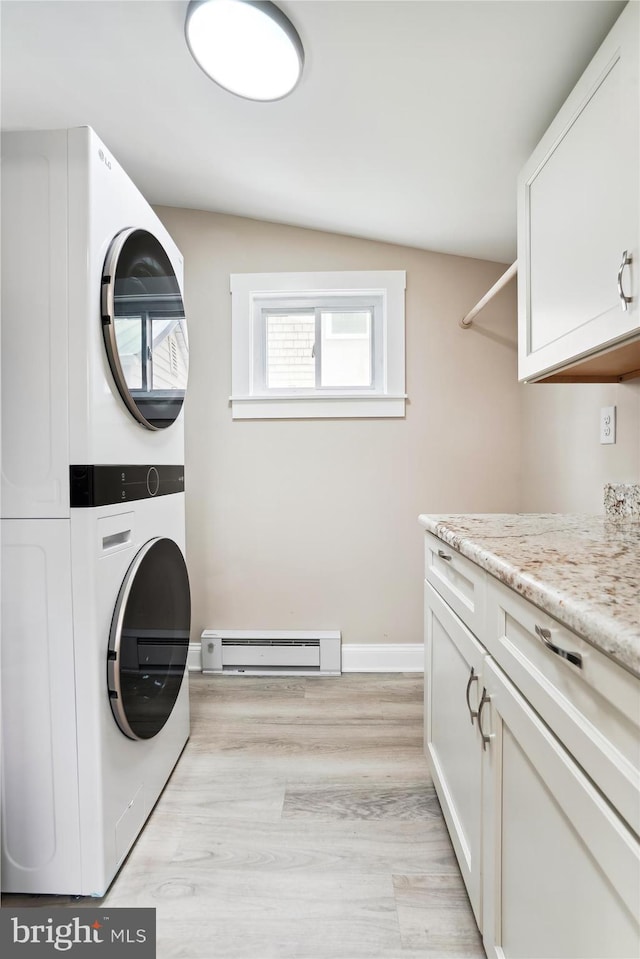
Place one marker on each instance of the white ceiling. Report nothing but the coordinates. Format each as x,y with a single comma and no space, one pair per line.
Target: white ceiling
410,124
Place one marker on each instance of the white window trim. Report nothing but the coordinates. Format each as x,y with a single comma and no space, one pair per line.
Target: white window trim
247,399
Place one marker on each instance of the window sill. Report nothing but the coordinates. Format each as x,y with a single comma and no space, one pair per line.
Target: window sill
334,406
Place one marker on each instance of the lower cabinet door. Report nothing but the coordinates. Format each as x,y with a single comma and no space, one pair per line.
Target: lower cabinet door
561,869
453,747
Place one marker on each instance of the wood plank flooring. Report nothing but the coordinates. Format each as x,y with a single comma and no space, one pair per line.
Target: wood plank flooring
300,823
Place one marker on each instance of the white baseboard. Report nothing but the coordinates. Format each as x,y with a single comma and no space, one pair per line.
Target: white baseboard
357,658
194,658
383,658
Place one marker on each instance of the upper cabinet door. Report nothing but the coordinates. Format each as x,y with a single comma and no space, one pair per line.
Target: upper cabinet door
578,217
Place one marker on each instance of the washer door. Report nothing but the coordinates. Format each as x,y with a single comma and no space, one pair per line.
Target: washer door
144,328
149,639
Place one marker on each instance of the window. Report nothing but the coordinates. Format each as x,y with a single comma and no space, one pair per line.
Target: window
317,344
316,348
153,352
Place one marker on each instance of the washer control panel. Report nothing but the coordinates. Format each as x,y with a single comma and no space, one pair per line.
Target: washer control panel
106,485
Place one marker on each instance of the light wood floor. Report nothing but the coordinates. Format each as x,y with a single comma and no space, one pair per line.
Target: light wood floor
300,823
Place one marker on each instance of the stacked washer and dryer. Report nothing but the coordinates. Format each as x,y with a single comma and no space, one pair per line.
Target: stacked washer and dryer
95,592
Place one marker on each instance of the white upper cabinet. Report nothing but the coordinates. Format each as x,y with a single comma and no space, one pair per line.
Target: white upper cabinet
579,224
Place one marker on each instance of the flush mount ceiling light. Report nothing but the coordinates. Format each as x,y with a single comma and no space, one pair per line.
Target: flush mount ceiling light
246,46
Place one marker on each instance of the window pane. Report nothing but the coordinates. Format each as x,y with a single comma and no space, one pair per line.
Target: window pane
169,353
129,341
290,354
348,324
346,348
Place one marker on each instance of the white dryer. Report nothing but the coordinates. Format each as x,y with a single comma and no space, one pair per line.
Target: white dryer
94,339
96,615
95,594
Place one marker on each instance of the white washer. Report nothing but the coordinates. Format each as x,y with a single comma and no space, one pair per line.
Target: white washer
77,788
87,269
71,217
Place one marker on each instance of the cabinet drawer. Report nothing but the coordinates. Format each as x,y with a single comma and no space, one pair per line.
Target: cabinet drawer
593,708
561,869
459,581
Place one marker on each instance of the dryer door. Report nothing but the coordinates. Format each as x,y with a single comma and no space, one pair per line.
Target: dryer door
149,639
144,328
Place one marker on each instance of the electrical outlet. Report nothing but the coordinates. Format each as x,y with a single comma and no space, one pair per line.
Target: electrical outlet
608,424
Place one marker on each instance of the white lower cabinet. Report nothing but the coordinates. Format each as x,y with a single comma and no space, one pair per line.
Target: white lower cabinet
561,871
551,867
454,659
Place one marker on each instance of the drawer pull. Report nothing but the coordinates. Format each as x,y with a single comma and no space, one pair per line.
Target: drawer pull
483,699
443,555
472,679
545,636
624,299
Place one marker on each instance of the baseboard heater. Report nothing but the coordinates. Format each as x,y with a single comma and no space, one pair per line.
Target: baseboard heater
271,652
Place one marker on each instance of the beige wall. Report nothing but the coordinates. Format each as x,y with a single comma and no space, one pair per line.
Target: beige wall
313,524
564,467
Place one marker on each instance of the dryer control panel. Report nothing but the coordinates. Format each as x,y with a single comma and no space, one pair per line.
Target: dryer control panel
106,485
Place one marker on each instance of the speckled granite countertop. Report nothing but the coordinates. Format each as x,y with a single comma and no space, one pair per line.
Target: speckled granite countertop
583,570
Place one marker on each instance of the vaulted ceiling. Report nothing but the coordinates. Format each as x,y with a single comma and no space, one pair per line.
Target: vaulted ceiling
410,124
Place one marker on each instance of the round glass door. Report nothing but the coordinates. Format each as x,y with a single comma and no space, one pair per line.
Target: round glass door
149,639
144,328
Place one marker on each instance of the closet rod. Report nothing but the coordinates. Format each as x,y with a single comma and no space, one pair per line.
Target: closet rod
467,320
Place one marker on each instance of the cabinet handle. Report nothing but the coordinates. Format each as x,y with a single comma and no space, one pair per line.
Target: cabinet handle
624,299
483,699
545,636
443,555
472,679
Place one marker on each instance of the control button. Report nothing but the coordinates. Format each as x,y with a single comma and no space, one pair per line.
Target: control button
153,481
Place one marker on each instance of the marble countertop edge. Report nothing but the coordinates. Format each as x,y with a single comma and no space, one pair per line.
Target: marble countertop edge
502,545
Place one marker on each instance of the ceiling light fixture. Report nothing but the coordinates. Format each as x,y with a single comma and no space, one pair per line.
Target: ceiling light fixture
248,47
